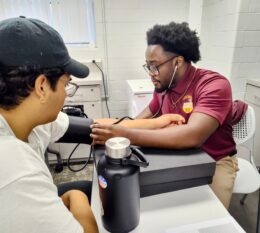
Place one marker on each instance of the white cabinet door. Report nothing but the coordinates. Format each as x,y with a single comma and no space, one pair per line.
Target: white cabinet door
252,97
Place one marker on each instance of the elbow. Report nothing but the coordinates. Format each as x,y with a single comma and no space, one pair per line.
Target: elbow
194,142
185,144
197,145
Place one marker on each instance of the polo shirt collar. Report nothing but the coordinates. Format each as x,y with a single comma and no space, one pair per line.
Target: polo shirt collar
184,80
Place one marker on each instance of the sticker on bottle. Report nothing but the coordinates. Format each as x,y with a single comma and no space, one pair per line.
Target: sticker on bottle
102,182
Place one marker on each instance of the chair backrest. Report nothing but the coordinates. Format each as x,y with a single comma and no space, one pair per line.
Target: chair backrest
244,130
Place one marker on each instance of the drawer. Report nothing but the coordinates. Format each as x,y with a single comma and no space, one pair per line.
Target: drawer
86,93
93,109
252,94
82,152
138,103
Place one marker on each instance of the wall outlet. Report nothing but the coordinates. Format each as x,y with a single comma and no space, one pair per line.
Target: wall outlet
93,68
90,63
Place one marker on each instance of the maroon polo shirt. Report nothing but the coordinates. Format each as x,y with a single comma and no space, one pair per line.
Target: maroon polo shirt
206,92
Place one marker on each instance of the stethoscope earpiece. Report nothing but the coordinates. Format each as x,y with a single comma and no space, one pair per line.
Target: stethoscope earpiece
173,75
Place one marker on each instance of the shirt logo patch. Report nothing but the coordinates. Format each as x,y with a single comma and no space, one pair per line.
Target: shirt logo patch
187,105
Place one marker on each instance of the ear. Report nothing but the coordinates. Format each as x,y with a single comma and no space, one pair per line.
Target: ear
41,87
180,61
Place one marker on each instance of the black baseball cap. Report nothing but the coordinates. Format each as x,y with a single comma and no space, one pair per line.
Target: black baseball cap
33,43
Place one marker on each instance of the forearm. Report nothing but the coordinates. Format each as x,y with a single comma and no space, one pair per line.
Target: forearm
80,208
178,137
140,124
193,134
136,123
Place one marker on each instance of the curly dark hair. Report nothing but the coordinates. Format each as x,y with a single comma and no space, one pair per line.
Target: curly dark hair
16,83
176,38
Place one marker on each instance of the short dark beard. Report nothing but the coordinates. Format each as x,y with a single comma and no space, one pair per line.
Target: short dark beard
165,88
160,90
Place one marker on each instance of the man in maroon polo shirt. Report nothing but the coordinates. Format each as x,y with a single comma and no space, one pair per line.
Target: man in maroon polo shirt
201,96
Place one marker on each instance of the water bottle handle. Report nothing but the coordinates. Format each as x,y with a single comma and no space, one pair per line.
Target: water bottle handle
140,155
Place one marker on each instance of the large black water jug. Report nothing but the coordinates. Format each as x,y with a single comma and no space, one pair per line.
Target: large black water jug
118,177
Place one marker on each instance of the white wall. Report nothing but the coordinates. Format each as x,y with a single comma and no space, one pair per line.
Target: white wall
229,31
218,34
246,59
230,37
127,22
195,15
121,41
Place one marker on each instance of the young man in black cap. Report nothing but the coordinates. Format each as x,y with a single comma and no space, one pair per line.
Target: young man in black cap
35,70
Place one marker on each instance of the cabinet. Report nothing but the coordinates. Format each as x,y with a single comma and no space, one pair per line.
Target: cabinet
140,93
252,97
88,96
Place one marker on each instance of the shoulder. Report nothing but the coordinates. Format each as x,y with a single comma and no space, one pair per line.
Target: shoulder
13,148
211,81
18,159
207,76
52,131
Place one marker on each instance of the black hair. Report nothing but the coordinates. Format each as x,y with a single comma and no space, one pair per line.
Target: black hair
16,83
176,38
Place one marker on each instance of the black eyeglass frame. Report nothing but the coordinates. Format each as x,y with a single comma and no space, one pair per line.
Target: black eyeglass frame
156,71
75,90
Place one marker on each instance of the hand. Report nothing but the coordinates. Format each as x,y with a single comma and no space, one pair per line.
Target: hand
72,195
102,132
78,204
167,120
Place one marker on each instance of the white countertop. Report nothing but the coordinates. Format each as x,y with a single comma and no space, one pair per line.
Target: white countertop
164,211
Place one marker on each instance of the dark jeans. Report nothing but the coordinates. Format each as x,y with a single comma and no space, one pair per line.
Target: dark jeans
84,185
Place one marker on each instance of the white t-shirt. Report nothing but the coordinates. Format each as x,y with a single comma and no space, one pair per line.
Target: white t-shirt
28,197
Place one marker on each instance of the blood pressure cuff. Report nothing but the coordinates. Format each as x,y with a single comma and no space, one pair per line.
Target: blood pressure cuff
78,131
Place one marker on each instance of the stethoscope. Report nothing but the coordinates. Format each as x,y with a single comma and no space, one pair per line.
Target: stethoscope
168,88
166,92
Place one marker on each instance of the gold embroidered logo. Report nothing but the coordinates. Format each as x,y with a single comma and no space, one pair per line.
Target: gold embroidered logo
187,106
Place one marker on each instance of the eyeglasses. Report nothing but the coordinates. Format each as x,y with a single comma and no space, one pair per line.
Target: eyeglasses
71,89
151,68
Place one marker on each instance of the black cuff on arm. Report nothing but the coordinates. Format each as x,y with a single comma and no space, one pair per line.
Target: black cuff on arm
79,131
